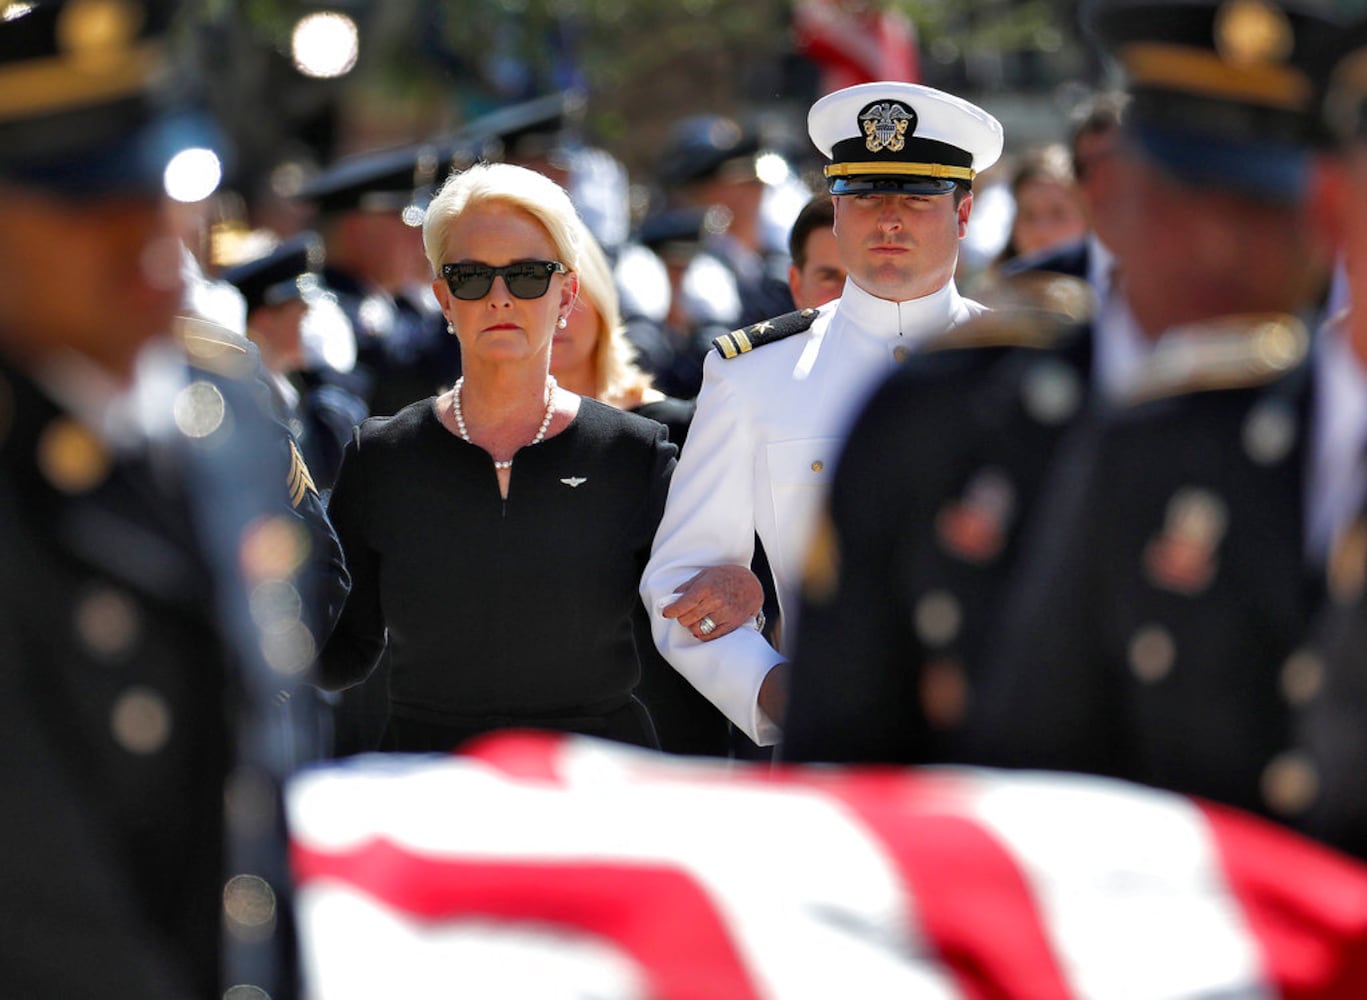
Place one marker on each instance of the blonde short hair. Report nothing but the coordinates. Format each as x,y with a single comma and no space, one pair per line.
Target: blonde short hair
523,189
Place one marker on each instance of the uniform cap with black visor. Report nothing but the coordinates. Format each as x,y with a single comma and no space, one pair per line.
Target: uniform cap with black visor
1223,95
891,137
291,271
93,104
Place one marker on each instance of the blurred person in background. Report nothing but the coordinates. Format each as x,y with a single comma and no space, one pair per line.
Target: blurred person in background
368,208
675,299
1049,210
591,356
816,274
277,289
712,163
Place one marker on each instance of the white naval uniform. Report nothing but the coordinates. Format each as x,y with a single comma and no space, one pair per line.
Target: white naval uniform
763,444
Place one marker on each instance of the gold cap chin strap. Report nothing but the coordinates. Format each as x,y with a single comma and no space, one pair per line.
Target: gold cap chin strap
898,168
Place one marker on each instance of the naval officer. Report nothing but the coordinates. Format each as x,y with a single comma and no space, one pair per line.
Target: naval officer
777,396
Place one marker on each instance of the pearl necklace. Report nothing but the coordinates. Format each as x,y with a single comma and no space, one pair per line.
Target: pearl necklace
540,434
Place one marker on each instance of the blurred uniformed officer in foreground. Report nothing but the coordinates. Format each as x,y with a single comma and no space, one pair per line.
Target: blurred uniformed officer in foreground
151,624
777,397
1151,633
1323,772
922,529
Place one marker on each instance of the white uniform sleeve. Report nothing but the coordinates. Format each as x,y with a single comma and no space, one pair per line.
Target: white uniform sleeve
709,520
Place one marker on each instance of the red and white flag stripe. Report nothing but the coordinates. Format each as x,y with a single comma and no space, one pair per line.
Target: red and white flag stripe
554,866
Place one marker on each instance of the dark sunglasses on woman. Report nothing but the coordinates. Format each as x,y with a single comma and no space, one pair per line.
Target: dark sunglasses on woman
526,279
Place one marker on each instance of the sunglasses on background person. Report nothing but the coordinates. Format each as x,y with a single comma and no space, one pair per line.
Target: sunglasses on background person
526,279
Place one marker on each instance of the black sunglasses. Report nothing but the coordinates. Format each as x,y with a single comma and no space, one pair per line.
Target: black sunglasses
527,279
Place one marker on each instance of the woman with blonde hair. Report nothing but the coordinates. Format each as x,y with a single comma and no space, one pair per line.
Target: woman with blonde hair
592,356
496,533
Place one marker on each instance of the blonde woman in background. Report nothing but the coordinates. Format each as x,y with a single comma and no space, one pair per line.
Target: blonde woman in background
592,357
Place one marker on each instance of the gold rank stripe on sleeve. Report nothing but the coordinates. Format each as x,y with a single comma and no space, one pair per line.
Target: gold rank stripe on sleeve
742,341
300,481
1232,353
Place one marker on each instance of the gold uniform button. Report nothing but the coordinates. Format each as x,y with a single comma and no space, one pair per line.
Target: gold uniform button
1302,677
818,466
249,905
938,618
945,693
71,457
1290,783
900,354
141,720
1152,653
108,622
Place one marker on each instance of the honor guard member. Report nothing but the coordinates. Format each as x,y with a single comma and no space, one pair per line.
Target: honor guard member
1322,773
545,134
778,396
1153,629
921,530
368,210
712,164
150,619
277,288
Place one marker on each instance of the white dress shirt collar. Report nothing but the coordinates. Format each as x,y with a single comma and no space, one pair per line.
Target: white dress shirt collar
912,318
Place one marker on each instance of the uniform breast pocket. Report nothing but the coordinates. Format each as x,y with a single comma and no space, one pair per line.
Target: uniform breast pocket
799,474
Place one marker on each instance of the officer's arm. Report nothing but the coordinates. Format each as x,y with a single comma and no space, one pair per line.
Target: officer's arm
709,521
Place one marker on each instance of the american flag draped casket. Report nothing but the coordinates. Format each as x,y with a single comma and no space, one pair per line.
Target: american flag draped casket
538,866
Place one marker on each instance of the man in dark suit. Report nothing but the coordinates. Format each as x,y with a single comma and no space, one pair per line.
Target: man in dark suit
1166,589
152,622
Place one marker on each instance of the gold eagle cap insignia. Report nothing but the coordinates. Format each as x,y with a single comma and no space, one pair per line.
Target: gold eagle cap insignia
98,34
1252,32
885,125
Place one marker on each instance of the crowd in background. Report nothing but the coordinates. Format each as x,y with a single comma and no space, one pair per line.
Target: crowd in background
471,446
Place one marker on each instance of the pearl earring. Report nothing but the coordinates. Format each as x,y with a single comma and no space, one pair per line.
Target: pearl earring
450,328
562,322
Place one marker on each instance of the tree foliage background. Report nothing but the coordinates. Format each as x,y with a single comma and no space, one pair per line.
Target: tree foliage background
429,66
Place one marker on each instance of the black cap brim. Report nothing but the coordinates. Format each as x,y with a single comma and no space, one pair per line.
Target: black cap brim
891,185
132,164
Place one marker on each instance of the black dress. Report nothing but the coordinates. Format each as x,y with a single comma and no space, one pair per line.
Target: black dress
498,612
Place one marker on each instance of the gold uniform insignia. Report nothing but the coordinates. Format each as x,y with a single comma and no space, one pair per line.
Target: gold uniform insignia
1248,32
299,482
973,528
1348,564
71,457
1183,558
885,127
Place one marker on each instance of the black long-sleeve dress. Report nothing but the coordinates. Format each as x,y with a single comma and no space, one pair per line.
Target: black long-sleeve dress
498,612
